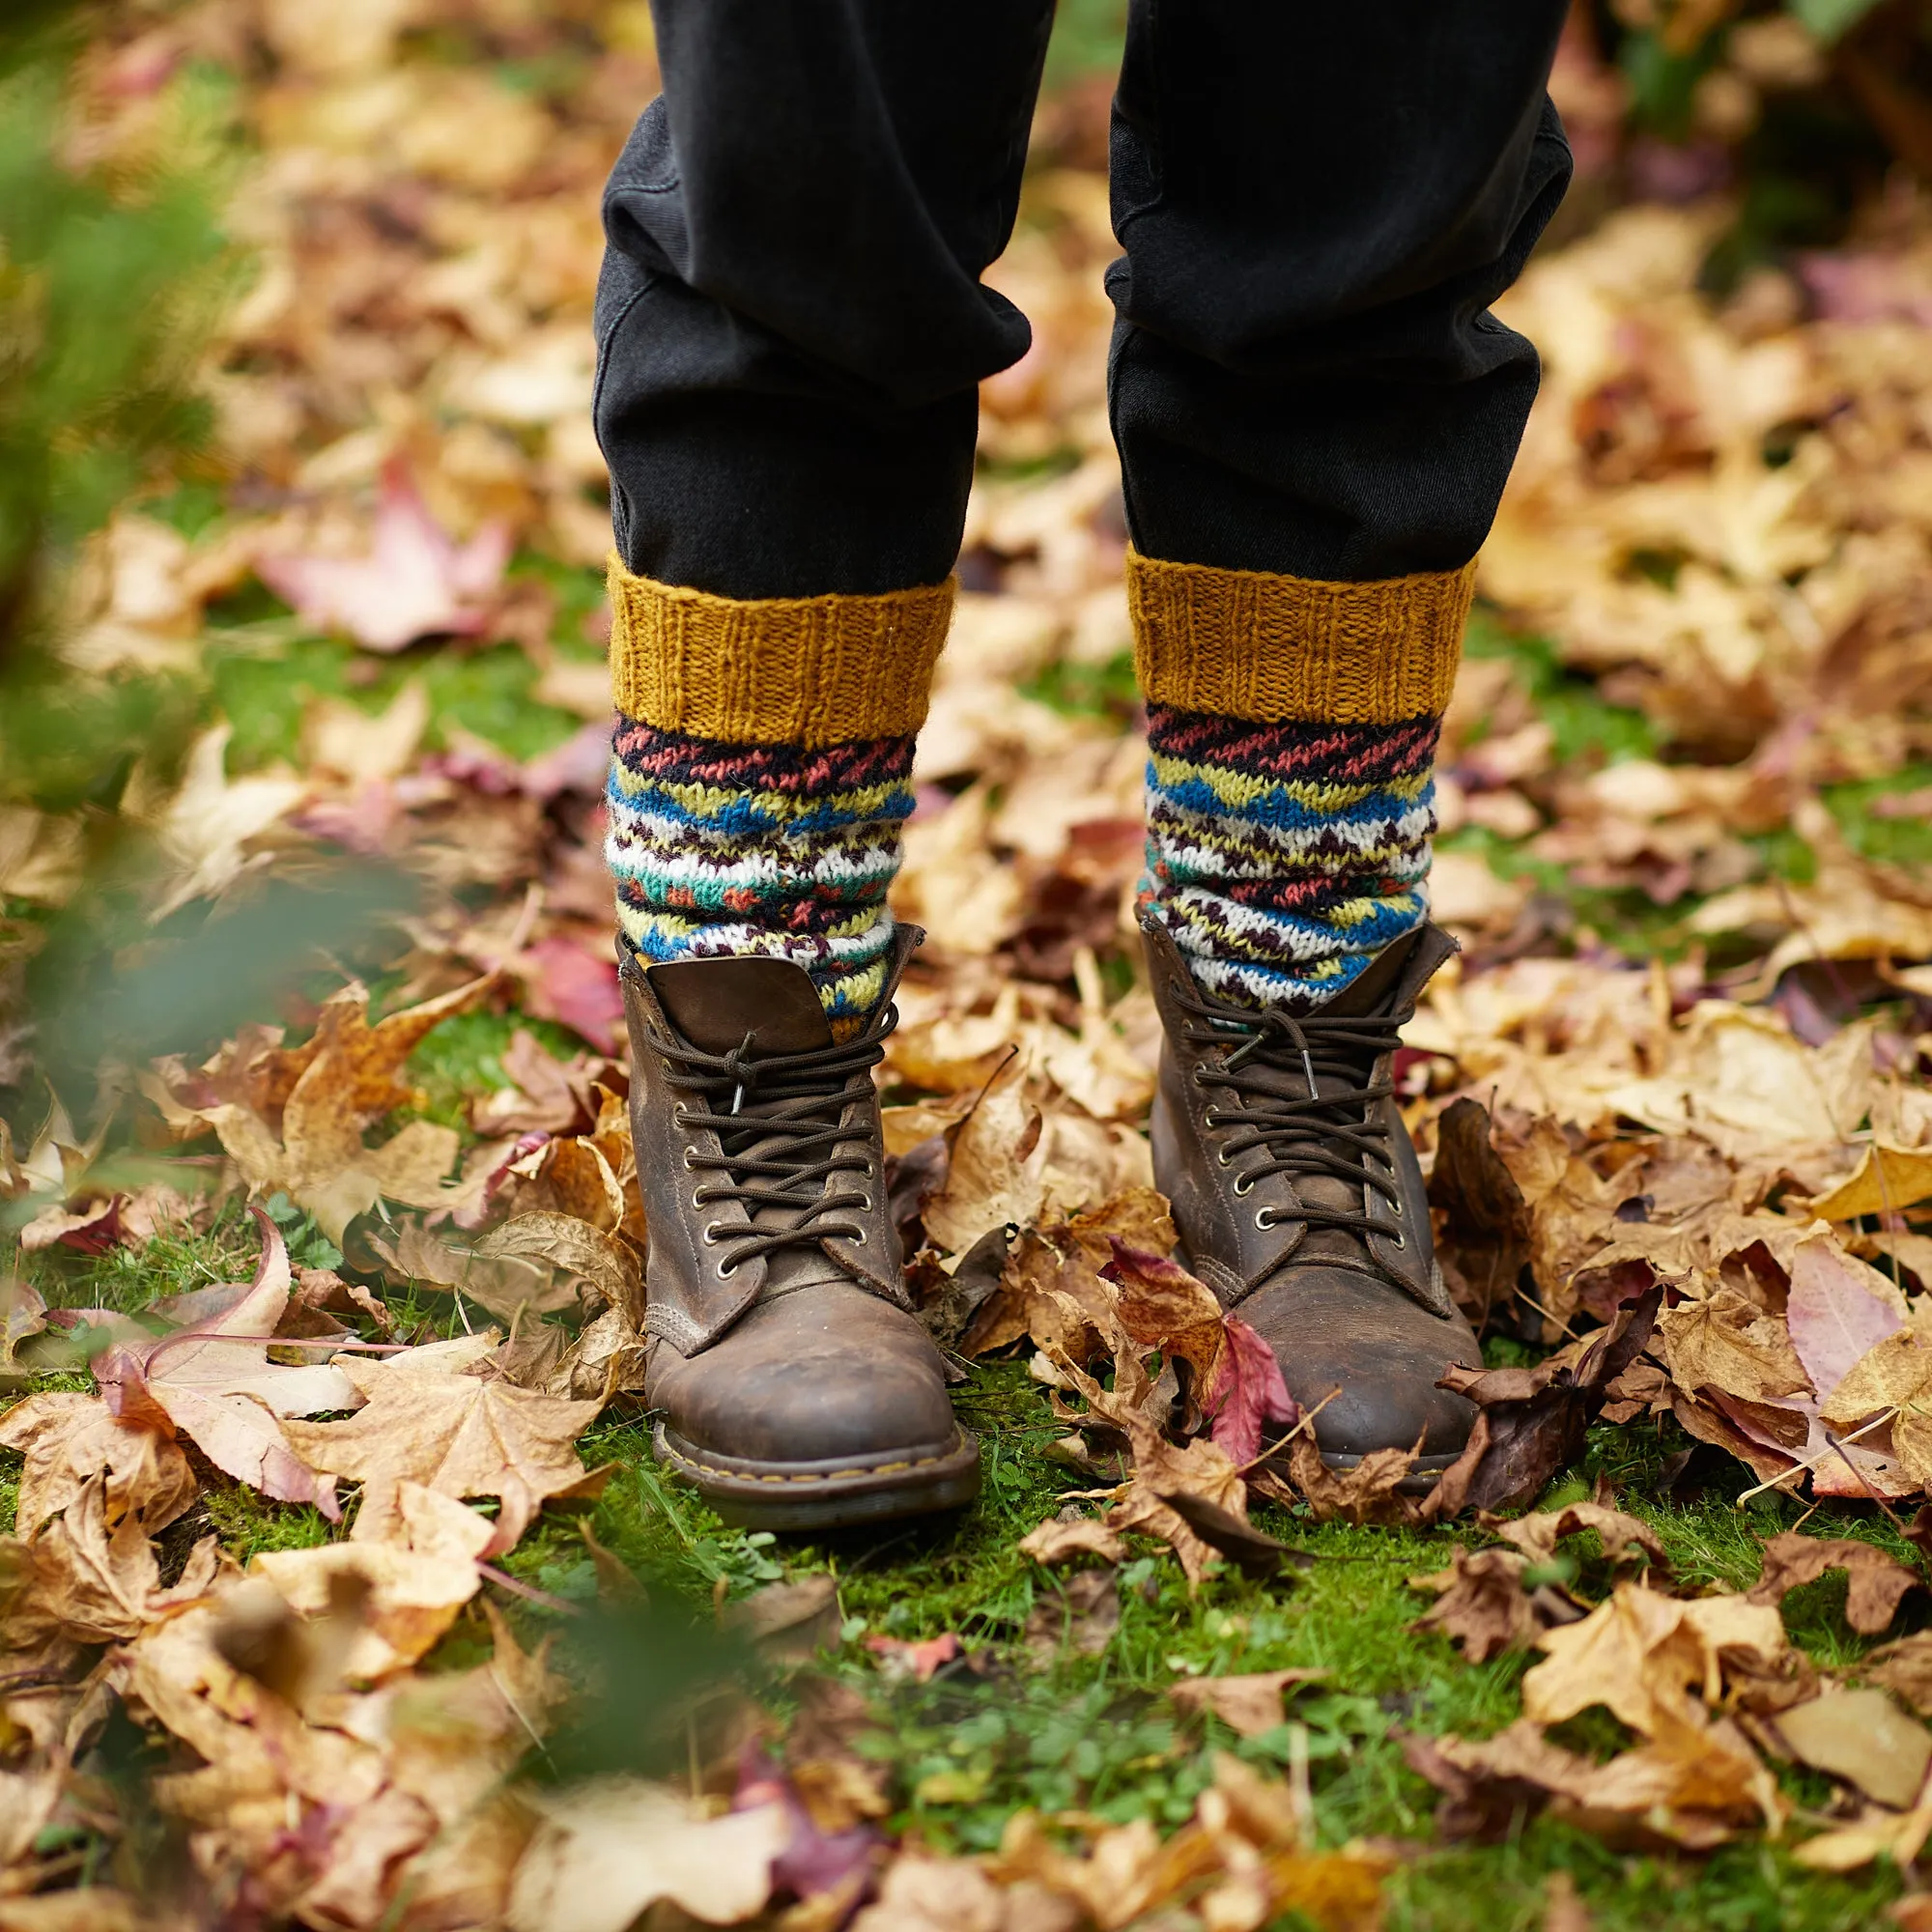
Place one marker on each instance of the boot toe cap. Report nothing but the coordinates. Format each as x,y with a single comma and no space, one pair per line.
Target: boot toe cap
1334,1330
816,1377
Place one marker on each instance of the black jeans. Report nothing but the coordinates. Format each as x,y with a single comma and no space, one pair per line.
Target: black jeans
1317,203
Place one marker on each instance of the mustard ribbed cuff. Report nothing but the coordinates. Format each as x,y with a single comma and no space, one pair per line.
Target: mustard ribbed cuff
1246,643
774,671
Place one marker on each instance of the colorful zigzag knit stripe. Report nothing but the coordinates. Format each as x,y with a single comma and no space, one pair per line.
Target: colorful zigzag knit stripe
1282,858
719,850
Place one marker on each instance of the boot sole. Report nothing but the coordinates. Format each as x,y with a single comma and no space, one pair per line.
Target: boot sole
752,1495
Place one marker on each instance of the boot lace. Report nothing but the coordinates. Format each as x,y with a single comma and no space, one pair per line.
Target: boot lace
792,1108
1330,1135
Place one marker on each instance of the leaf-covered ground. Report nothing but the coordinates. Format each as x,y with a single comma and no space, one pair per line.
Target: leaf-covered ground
340,1584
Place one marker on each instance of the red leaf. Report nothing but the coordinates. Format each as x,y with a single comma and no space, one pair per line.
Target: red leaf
1248,1393
414,583
564,983
918,1661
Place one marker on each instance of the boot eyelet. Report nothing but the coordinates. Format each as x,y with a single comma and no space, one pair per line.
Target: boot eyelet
687,1159
1397,1207
1222,1158
710,1232
1400,1242
1264,1220
864,1203
680,1119
724,1270
1242,1184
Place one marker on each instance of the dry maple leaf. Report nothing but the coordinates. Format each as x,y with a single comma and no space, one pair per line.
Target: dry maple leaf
607,1851
216,1385
1862,1738
1161,1472
414,583
1727,1343
1249,1704
921,1892
1481,1603
1239,1861
1372,1491
1904,1667
1070,1536
1078,1618
1538,1534
1695,1786
1642,1655
69,1439
295,1121
427,1422
1531,1422
410,1587
1875,1582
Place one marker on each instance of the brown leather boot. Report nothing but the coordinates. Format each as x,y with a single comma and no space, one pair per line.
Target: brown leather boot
795,1387
1298,1200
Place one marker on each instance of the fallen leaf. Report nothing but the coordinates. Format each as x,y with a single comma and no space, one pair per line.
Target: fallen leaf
607,1851
428,1423
1079,1616
1531,1422
1538,1534
1727,1343
1059,1540
565,1242
1863,1737
69,1439
412,1583
1875,1582
1481,1603
1247,1393
1885,1180
1643,1654
790,1621
1838,1310
414,582
1368,1493
1250,1704
915,1661
921,1892
1904,1667
216,1385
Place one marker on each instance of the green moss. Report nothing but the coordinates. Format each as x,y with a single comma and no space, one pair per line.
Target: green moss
248,1523
487,692
462,1058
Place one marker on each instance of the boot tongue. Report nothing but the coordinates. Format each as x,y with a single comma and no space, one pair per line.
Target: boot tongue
714,1003
1396,975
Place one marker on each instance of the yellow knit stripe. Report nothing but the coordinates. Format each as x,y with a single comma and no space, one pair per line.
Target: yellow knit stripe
1246,643
774,671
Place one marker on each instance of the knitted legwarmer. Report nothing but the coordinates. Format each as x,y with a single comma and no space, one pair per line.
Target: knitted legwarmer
719,850
1291,732
760,775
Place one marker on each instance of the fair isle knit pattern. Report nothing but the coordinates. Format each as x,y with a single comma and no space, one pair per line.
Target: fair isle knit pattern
719,850
1282,858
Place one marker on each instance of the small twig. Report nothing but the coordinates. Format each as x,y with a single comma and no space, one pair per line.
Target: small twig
1307,1416
1832,1443
530,1591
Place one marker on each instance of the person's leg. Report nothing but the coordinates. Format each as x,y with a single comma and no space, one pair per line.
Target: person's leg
792,333
1316,416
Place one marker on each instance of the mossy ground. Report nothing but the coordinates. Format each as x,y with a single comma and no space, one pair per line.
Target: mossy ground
1093,1733
1098,1734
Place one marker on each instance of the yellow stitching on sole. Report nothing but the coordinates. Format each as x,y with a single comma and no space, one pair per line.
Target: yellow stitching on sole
818,1476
